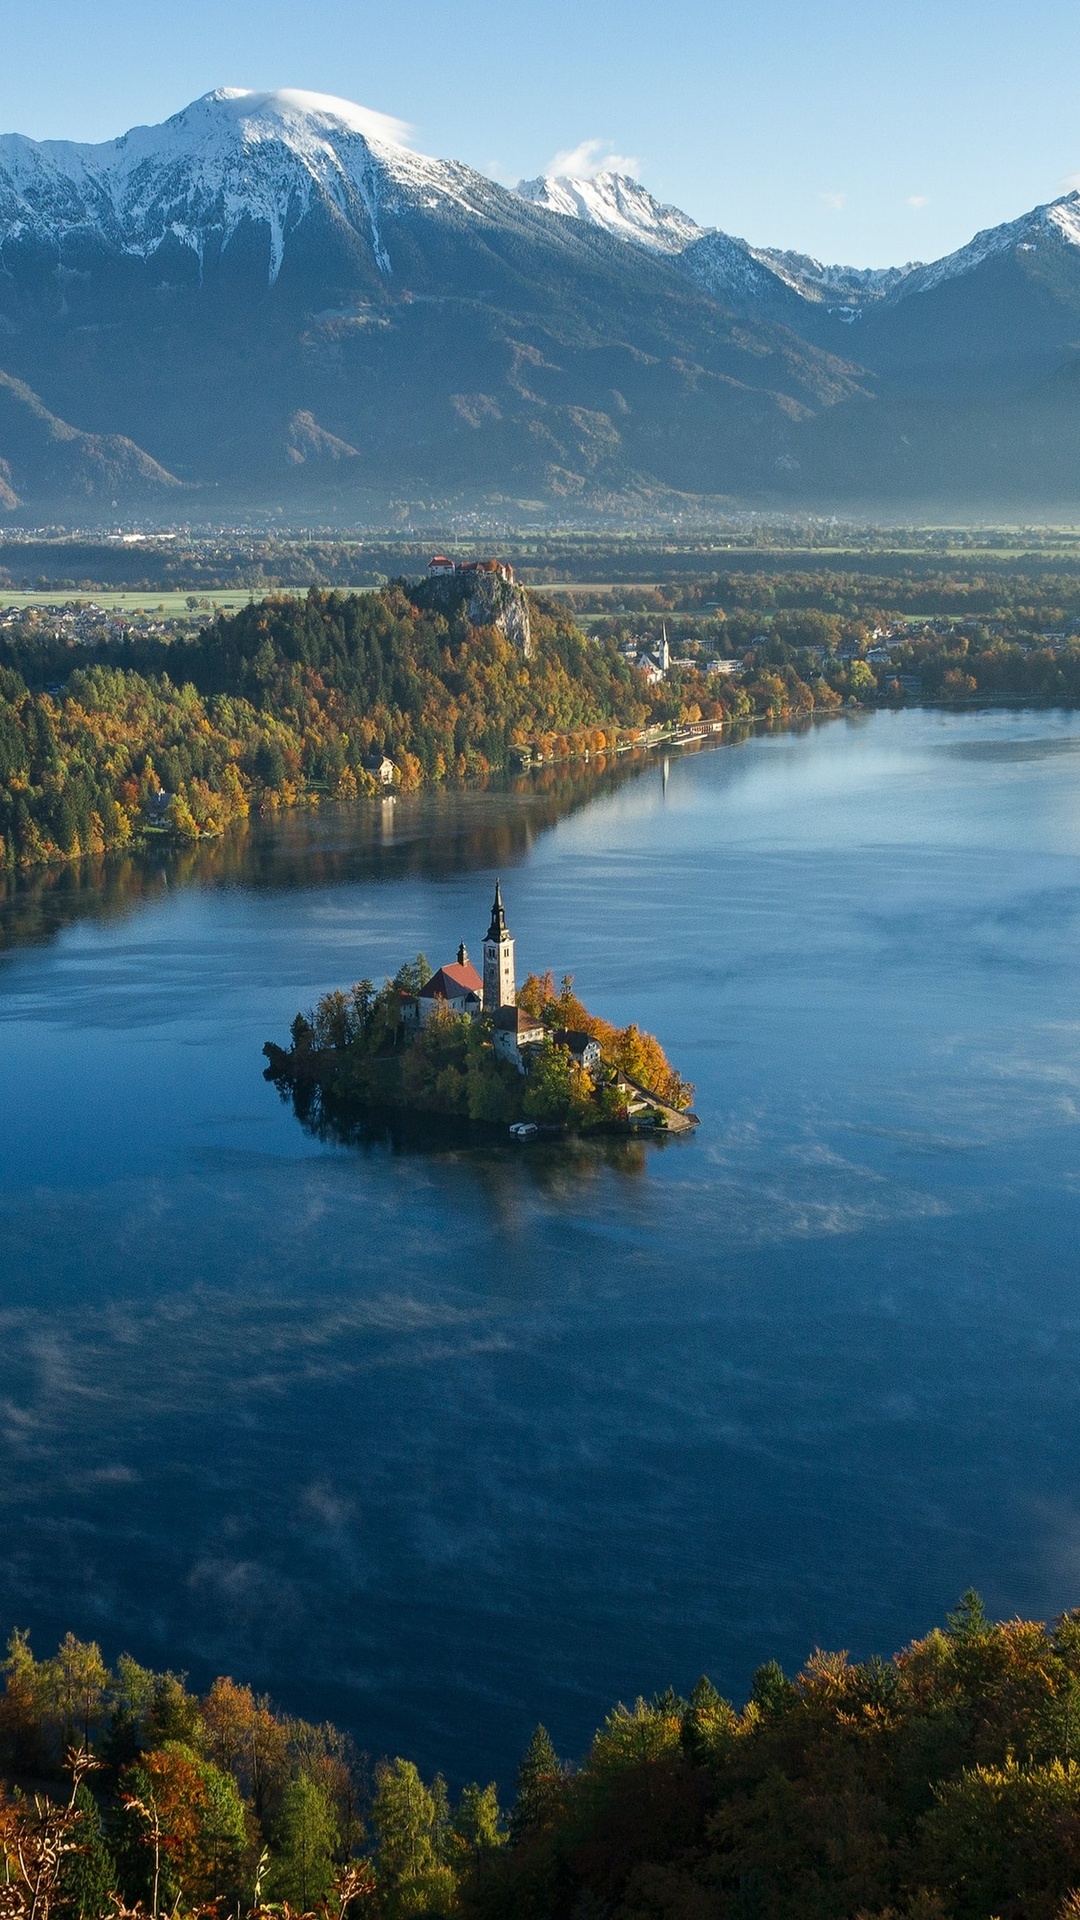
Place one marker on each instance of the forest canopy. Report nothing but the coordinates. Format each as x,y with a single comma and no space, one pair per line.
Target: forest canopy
942,1784
280,703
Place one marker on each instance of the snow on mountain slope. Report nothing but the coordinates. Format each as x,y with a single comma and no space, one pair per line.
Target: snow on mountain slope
733,269
270,158
1055,224
834,286
616,202
229,156
725,266
730,270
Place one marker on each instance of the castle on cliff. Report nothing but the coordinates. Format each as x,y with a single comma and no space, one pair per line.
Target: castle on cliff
441,567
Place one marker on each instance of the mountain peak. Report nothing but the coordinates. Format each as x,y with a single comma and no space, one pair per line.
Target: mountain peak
292,109
1057,221
231,156
617,202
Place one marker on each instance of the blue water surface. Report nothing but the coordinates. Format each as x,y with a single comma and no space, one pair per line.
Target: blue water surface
440,1443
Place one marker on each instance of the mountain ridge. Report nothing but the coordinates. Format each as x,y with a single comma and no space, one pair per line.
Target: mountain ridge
274,300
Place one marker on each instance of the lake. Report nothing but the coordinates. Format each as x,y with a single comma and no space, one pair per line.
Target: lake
439,1443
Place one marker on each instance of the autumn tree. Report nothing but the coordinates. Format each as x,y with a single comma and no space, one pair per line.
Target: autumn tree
243,1737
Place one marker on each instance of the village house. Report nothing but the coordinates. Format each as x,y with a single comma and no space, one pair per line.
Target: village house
653,657
513,1031
382,768
580,1046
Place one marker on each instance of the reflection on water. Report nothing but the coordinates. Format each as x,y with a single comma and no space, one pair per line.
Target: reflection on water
548,1163
447,830
439,1442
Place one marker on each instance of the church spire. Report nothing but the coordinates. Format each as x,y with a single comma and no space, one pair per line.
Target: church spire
497,929
499,985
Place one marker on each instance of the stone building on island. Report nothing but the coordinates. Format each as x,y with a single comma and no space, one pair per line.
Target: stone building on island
500,988
457,988
512,1030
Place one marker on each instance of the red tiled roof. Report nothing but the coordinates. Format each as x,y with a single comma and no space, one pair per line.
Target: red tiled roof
451,982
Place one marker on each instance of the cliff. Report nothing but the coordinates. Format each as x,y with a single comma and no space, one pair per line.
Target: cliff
484,599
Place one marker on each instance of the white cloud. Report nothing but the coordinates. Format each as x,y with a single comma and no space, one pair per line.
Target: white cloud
918,200
584,162
366,120
1071,183
836,201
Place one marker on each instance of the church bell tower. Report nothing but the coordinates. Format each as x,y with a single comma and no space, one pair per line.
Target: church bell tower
499,986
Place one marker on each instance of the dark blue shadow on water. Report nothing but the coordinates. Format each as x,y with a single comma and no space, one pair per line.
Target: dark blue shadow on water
437,1438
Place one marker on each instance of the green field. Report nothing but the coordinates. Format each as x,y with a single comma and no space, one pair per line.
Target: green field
173,605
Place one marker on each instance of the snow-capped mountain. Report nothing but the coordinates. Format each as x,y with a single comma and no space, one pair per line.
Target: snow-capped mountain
729,268
273,292
616,202
847,287
230,157
1053,226
273,297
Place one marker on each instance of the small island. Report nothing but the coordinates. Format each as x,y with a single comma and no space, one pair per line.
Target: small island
470,1046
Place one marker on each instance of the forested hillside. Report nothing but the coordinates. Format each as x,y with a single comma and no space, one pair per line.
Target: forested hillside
939,1785
279,704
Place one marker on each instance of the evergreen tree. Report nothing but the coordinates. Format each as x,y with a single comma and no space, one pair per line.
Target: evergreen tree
477,1820
130,1698
223,1837
708,1720
540,1782
770,1690
173,1712
968,1619
88,1877
307,1837
22,1704
410,1821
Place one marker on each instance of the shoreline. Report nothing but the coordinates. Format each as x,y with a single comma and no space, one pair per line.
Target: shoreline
153,835
316,1071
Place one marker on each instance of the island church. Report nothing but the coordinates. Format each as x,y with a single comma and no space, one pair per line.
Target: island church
457,988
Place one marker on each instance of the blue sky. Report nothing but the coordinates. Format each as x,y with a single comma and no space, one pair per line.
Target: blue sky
866,133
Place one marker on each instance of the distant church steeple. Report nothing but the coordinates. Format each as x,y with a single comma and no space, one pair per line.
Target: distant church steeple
500,989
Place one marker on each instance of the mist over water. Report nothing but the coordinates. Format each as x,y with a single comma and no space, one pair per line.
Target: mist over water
439,1443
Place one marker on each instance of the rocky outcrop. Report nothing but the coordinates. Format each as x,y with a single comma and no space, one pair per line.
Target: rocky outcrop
485,599
495,602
